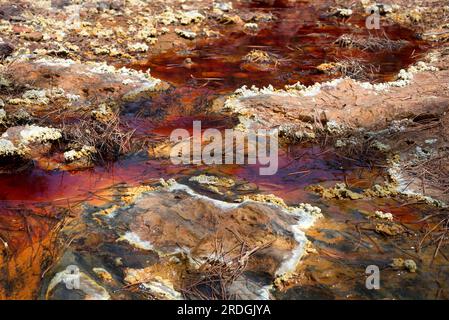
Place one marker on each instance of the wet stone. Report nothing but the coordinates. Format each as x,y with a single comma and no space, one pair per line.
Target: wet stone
170,228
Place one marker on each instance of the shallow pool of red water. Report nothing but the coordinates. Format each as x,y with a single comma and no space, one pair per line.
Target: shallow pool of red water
300,38
39,185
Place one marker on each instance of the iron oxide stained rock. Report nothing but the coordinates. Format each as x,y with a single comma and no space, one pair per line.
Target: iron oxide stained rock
162,234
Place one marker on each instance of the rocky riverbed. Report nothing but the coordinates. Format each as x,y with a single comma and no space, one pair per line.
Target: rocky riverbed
90,92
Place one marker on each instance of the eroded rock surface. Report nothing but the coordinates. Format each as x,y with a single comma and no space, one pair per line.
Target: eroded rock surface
161,236
85,80
346,102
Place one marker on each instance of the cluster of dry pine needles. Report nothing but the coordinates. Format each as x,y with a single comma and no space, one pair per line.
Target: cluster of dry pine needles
357,69
433,170
372,43
219,271
110,138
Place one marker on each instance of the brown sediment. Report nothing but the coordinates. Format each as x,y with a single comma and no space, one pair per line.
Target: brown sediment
30,246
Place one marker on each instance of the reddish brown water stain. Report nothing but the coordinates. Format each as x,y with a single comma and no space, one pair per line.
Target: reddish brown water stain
38,185
22,225
300,39
37,190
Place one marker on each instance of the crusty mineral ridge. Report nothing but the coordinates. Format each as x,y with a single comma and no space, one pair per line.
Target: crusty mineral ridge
351,104
87,80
